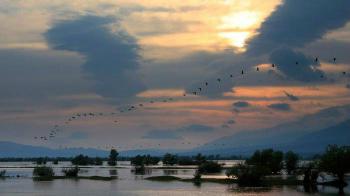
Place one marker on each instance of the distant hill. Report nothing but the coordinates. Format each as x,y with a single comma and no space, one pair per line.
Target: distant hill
309,134
11,149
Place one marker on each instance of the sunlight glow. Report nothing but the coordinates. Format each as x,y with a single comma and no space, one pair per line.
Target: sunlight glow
237,39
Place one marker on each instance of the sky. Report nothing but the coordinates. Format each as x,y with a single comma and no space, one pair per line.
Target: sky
59,58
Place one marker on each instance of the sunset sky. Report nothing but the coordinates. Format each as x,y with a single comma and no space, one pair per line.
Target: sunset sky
63,57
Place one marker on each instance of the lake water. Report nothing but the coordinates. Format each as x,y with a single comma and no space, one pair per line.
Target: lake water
127,183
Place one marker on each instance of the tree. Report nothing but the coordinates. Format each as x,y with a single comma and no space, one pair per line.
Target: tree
291,160
43,171
170,159
199,158
55,162
336,160
98,161
71,172
248,175
41,161
137,161
209,167
112,160
82,160
269,159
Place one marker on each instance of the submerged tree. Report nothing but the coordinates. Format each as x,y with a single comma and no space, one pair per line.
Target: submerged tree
43,171
2,173
291,160
170,159
200,159
336,161
270,160
71,172
112,160
82,160
209,167
248,175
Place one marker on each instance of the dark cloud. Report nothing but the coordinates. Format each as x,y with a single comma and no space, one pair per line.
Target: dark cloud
196,128
34,77
162,134
280,106
112,58
291,96
296,23
296,65
241,104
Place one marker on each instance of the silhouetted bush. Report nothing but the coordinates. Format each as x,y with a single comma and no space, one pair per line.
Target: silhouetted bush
71,172
149,160
41,161
55,162
209,167
144,160
98,161
199,159
197,176
169,159
248,175
186,161
82,160
291,160
43,171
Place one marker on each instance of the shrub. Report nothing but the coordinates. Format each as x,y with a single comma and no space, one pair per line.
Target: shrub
43,171
55,162
197,176
2,173
186,161
247,175
209,167
82,160
98,161
144,160
149,160
199,159
169,159
71,172
41,161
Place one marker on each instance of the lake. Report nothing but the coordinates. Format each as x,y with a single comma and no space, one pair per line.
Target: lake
127,183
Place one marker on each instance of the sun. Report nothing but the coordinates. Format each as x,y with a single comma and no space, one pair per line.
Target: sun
238,27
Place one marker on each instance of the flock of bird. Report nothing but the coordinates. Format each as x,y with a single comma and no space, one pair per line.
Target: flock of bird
130,108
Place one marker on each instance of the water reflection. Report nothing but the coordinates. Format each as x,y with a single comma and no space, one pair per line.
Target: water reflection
130,182
170,172
113,172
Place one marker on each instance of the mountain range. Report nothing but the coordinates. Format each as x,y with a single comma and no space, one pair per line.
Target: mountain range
308,135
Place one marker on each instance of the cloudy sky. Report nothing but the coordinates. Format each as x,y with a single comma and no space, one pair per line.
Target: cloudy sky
67,57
